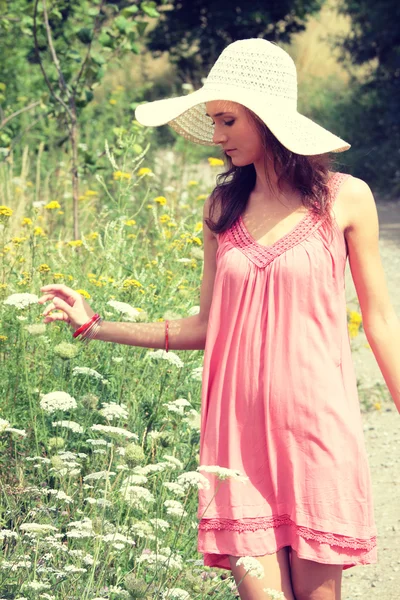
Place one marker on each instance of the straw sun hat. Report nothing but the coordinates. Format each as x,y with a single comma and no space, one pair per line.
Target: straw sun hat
259,75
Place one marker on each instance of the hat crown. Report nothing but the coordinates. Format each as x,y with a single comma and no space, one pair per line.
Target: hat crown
256,65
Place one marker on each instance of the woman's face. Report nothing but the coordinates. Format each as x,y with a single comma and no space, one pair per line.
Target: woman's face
234,130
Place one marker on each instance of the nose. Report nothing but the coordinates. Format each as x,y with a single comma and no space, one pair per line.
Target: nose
219,136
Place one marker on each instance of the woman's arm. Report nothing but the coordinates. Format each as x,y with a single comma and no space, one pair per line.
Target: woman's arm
380,322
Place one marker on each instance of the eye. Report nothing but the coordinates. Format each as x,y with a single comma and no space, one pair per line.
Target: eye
230,123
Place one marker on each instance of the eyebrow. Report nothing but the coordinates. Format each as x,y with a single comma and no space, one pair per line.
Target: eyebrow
218,114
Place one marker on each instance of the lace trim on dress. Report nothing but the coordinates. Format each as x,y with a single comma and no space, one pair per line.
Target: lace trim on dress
254,524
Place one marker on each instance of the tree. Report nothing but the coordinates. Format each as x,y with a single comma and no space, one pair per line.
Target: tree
195,32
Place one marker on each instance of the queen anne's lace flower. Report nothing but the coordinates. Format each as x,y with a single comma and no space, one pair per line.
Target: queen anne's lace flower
164,355
21,300
252,566
175,594
112,410
274,594
88,371
177,406
54,401
223,472
75,427
193,479
126,309
115,430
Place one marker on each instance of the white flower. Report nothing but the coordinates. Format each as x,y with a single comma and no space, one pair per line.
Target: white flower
112,410
158,524
193,419
57,401
114,537
88,371
7,533
173,461
5,426
115,430
174,508
75,427
21,300
37,527
223,473
98,475
177,406
175,488
163,558
197,374
126,309
252,566
274,594
169,356
195,479
134,479
117,359
137,495
36,329
194,310
148,469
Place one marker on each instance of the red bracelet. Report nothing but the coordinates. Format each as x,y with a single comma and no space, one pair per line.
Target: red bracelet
166,335
83,327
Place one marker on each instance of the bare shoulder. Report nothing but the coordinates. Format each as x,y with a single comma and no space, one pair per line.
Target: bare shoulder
355,203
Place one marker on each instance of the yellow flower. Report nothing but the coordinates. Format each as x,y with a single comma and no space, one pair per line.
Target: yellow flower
60,212
75,243
29,184
26,221
91,236
353,330
161,200
90,193
82,198
18,240
83,293
130,223
131,236
112,101
171,224
52,205
164,218
215,162
197,240
198,226
119,88
144,171
202,197
118,175
131,283
58,276
39,231
5,211
3,338
355,317
192,182
377,405
44,268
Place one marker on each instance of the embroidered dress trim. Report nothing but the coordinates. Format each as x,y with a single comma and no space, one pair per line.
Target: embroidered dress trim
254,524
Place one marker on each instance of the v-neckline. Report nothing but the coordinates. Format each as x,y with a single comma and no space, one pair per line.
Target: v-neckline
252,240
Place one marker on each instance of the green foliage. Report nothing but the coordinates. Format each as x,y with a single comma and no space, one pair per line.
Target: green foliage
195,33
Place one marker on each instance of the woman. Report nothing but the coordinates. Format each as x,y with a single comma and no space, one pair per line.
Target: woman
279,394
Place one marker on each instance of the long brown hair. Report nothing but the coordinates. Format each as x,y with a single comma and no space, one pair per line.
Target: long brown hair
307,174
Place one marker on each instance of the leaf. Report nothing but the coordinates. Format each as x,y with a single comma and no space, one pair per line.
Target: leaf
106,40
141,27
85,35
98,58
150,9
129,10
122,23
135,48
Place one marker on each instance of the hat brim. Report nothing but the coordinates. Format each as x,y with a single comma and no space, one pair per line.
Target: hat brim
187,116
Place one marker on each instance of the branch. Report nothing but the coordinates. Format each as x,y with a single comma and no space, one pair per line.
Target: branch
96,22
48,83
61,80
18,112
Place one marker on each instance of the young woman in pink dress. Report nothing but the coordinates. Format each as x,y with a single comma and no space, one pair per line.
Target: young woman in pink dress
279,392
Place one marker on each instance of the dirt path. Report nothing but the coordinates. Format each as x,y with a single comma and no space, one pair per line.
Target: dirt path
382,437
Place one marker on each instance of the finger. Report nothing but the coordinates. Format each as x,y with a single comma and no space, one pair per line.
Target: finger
58,316
61,290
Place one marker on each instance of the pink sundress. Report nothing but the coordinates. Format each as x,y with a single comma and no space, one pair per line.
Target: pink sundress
280,402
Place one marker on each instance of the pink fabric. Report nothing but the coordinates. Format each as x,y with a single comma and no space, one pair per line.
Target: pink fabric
280,403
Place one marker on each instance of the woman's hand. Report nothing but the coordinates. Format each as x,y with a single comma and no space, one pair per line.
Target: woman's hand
74,308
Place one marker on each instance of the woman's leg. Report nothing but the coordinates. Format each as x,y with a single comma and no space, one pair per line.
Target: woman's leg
277,576
315,581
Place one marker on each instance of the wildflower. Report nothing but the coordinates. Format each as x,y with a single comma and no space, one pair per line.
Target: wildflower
114,431
26,221
137,496
43,268
112,410
56,443
215,162
88,371
274,594
98,475
113,537
131,283
177,406
158,524
171,357
164,219
36,329
90,193
75,427
5,213
134,479
5,427
197,374
174,508
38,231
175,594
118,175
37,527
66,350
252,566
175,488
57,401
75,243
192,183
112,101
173,461
21,300
125,308
130,222
144,171
223,473
52,205
134,455
160,200
193,478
